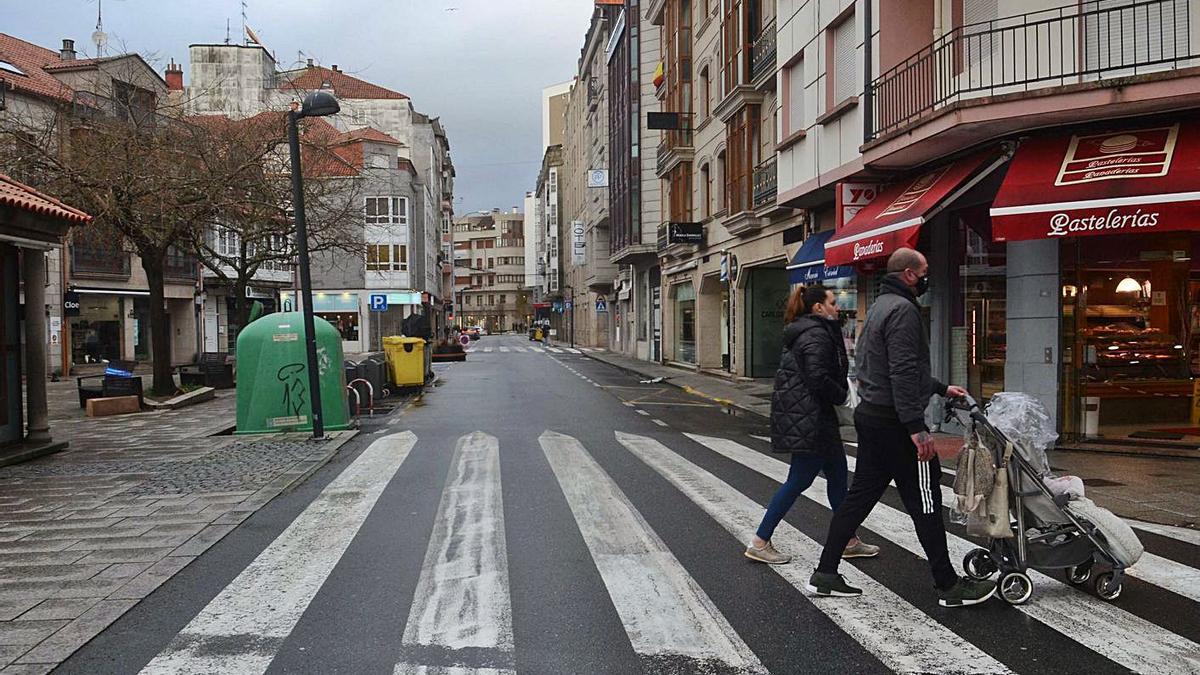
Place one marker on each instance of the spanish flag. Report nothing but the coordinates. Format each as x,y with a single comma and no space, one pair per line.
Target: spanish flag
659,74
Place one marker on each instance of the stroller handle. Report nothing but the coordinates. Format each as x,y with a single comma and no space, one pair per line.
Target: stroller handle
964,403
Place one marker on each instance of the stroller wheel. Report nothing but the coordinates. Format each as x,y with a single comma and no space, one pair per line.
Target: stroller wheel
1079,574
978,564
1015,588
1106,588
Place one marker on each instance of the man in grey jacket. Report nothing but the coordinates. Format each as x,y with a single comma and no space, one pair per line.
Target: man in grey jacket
894,386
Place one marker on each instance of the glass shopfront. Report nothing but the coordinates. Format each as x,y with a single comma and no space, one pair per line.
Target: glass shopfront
96,333
1131,337
685,322
978,342
767,292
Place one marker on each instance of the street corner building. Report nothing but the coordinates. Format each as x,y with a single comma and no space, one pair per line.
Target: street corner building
31,224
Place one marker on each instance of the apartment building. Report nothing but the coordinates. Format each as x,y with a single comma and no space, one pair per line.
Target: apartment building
1035,155
631,55
489,255
585,180
553,298
97,294
721,233
243,80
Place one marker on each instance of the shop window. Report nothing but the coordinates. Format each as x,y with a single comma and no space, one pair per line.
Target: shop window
685,322
978,333
346,323
1130,328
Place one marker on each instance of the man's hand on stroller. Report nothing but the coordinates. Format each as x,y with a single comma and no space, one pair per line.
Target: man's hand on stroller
924,442
955,391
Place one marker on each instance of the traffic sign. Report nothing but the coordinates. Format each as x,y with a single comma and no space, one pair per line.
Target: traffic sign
379,302
601,304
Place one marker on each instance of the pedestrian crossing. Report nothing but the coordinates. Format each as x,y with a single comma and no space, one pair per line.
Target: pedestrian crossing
535,350
463,616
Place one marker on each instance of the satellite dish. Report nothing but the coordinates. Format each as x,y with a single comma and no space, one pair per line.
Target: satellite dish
100,39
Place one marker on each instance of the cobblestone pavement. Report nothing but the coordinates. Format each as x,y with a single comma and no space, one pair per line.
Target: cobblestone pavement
85,534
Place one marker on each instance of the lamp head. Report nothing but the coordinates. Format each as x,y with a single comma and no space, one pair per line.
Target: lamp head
319,104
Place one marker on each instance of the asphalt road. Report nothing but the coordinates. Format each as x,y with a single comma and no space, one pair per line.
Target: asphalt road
543,512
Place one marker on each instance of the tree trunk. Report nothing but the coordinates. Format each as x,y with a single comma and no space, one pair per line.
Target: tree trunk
154,262
241,313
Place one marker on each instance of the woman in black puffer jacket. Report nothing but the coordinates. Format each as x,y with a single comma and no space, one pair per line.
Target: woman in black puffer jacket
810,384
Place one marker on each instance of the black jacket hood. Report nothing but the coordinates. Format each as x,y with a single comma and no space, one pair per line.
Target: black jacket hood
801,325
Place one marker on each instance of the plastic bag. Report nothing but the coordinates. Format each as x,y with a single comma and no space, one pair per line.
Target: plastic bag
1023,419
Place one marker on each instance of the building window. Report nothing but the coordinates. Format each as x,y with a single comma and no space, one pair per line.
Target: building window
742,132
491,299
705,92
705,192
718,198
491,263
793,97
733,46
680,206
387,257
387,211
839,66
502,299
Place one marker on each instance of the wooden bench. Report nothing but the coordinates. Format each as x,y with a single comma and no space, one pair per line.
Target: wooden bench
210,370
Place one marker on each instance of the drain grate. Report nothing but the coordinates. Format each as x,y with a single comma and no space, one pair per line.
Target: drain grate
1101,482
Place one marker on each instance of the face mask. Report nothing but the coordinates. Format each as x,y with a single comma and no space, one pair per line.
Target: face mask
922,286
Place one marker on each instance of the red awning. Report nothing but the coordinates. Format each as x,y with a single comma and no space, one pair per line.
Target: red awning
893,219
1128,180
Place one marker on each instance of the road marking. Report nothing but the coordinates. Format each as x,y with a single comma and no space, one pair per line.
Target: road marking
1177,533
462,597
1173,576
901,636
628,403
519,349
572,350
642,412
259,608
664,612
1083,618
761,438
659,422
504,350
555,350
539,350
487,350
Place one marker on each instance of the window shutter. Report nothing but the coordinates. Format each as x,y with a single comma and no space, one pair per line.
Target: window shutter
795,102
1128,34
843,61
980,43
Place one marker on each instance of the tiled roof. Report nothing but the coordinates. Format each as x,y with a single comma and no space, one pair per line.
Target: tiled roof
76,64
21,196
343,85
33,61
368,134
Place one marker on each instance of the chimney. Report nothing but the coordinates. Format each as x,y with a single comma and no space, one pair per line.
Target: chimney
310,63
334,68
67,53
174,76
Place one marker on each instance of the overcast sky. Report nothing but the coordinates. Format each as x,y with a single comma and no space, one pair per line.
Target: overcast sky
480,67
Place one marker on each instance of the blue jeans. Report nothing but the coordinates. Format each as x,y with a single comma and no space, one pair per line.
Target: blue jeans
804,470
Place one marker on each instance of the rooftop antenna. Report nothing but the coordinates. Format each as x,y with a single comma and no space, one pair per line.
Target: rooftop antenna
226,30
244,43
100,38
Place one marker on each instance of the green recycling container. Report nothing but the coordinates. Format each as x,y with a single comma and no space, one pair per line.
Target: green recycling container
406,360
272,382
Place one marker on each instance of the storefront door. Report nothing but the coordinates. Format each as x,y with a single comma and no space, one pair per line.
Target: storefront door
10,349
767,291
685,322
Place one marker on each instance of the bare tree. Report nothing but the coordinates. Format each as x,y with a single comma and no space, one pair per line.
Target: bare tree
253,229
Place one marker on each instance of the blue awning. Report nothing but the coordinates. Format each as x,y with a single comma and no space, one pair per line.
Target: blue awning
808,265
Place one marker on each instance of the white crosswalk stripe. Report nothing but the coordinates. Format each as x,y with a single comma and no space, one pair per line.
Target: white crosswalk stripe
537,350
460,617
504,350
487,350
1082,618
664,611
262,605
554,350
902,637
1178,533
572,350
462,598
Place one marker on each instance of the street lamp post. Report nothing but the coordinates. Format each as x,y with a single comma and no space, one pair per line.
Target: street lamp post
316,104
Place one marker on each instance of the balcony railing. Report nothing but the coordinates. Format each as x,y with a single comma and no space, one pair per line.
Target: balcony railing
99,261
1056,47
766,182
762,52
675,139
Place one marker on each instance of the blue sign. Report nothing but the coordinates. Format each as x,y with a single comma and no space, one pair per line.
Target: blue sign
570,304
558,307
379,302
601,305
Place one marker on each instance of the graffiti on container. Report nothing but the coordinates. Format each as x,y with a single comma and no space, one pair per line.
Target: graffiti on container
295,389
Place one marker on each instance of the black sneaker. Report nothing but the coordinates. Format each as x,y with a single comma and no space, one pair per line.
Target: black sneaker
824,583
966,592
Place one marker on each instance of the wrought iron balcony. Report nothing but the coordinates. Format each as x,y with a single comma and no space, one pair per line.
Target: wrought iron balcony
762,53
676,144
766,182
1069,45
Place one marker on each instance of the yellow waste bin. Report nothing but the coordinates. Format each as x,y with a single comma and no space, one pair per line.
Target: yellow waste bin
406,360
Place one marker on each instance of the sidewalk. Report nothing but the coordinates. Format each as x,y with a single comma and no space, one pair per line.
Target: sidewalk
87,533
1163,490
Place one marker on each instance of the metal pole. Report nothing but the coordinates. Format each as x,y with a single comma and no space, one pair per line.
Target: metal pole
310,333
572,316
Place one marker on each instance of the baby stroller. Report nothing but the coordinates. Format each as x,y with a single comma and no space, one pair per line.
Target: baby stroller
1051,532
